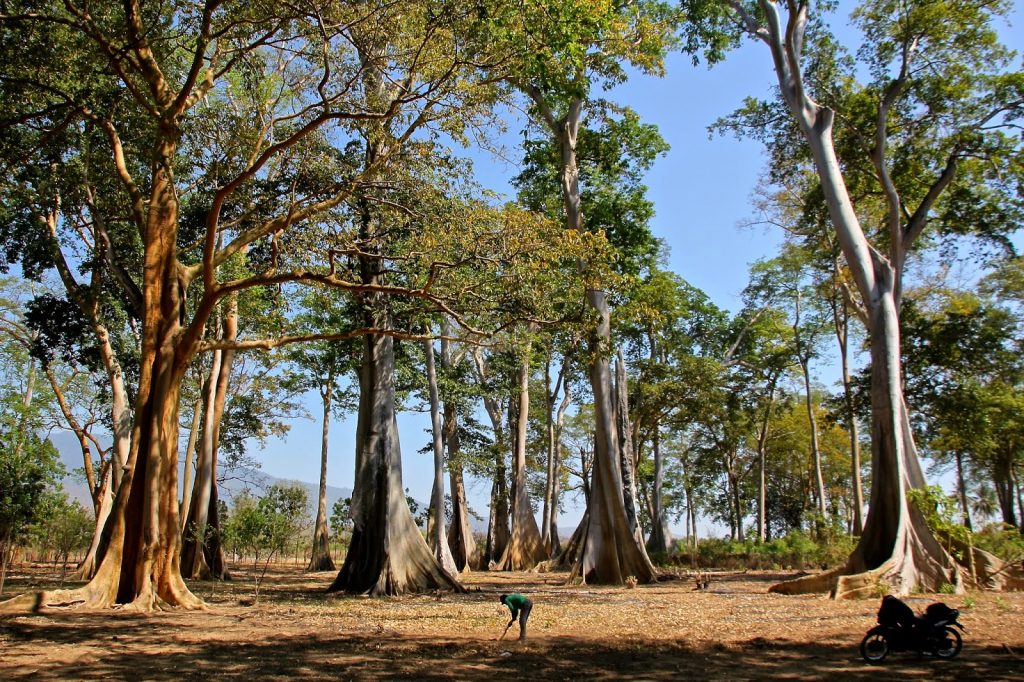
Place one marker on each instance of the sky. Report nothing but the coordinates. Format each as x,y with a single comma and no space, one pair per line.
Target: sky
701,192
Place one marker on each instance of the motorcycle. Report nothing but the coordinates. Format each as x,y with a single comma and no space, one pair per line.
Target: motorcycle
900,629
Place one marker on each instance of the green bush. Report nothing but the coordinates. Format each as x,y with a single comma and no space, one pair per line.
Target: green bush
1001,539
797,550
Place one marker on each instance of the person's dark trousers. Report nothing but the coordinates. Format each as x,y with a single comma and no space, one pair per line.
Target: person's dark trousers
524,613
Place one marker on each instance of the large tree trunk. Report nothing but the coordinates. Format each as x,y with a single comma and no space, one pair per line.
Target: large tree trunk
660,540
142,541
189,466
525,548
460,536
320,560
498,532
437,535
896,547
611,552
386,555
203,553
626,462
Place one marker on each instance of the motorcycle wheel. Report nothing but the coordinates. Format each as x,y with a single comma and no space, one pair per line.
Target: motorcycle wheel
874,647
950,644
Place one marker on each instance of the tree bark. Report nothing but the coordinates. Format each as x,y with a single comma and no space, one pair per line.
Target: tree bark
525,548
203,554
498,532
386,555
896,546
626,462
460,537
320,557
660,540
611,552
189,467
141,543
438,536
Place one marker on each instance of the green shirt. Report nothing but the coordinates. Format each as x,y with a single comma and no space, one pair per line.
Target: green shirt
514,602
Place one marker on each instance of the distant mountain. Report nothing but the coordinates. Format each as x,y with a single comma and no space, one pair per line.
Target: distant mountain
235,482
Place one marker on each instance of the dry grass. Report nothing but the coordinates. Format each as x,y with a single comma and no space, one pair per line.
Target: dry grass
734,630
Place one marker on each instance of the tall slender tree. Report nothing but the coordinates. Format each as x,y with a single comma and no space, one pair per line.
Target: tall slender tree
930,138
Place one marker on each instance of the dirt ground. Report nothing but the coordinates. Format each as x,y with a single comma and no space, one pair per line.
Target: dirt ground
733,630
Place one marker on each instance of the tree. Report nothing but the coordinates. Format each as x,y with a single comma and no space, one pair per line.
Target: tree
455,388
243,125
963,369
324,364
936,107
438,537
28,466
263,528
570,48
784,282
669,329
64,526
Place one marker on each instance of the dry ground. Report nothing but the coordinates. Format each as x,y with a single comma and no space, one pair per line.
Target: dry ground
733,631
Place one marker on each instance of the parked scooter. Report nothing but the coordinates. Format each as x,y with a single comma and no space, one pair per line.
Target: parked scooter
900,629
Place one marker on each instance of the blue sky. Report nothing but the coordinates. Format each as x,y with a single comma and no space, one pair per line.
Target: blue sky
701,191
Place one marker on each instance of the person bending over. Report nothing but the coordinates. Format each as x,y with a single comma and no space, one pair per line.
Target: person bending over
520,607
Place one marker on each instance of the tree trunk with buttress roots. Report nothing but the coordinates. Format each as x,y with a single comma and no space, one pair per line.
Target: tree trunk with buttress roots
320,559
460,535
438,537
525,548
386,555
497,524
896,547
610,552
627,461
202,552
141,544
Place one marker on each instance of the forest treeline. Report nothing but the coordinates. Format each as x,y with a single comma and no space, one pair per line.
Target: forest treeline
212,209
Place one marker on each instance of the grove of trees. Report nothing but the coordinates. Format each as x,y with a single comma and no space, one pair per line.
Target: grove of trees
210,211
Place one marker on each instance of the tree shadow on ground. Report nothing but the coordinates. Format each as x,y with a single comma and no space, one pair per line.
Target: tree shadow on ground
136,646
